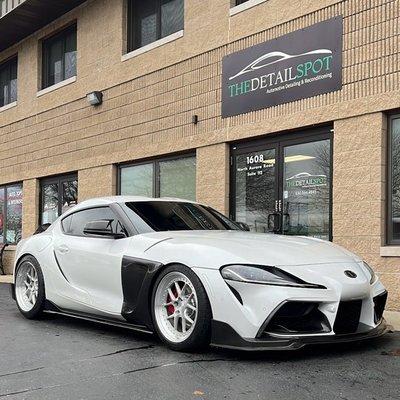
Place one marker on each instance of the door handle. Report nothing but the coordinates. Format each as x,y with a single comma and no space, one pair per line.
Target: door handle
274,222
63,249
286,225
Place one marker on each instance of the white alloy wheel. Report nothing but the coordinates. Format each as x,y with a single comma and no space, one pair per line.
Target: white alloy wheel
27,286
176,307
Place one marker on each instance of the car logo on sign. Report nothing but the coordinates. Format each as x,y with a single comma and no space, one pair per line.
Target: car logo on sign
350,274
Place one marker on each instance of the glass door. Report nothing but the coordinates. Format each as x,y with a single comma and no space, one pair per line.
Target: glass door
306,189
255,188
284,186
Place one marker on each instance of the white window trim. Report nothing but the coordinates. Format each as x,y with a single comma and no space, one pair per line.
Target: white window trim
56,86
245,6
153,45
390,251
8,106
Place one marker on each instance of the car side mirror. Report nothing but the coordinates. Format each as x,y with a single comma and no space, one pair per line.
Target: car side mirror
42,228
102,228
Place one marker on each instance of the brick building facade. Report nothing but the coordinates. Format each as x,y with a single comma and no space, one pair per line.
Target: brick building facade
151,94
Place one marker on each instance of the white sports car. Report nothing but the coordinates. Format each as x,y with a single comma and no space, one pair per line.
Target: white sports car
186,272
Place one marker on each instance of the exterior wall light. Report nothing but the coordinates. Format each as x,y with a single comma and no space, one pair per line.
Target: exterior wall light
95,98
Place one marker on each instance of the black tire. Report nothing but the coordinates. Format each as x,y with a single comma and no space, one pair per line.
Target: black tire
200,337
37,311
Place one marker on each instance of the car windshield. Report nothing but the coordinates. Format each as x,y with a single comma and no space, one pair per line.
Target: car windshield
177,216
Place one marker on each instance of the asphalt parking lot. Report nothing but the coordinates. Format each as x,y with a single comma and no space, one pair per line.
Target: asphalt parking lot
61,358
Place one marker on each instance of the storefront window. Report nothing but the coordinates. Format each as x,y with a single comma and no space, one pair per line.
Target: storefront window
57,196
394,182
178,178
306,189
2,212
283,185
11,214
255,188
137,180
160,178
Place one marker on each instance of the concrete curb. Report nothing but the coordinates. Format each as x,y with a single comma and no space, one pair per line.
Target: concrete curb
393,318
6,279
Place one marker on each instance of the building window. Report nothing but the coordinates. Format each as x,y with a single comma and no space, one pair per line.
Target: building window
59,57
8,82
10,213
174,177
394,181
58,194
152,20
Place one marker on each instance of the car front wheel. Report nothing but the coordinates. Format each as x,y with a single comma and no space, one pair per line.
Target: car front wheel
29,288
181,310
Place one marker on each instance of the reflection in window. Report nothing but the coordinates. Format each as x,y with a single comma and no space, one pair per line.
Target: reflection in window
11,214
394,182
178,216
255,188
306,189
50,203
59,57
69,194
8,82
160,178
137,180
152,20
2,213
57,196
178,178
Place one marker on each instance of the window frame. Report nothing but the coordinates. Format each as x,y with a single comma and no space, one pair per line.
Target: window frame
237,8
59,179
46,43
5,211
156,186
131,26
9,63
389,189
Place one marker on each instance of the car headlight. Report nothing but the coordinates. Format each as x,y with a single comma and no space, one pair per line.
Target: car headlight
265,275
371,273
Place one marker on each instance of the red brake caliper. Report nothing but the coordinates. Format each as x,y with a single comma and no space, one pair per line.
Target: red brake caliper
170,307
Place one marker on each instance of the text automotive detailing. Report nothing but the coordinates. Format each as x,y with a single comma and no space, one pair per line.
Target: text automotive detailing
303,73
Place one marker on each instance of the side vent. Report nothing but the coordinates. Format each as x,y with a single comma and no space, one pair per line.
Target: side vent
236,294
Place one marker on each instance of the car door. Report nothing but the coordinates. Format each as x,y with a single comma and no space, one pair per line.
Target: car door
92,263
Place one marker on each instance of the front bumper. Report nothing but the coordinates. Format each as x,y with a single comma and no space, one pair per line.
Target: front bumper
225,336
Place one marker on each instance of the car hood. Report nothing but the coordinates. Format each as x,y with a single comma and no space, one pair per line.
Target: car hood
216,248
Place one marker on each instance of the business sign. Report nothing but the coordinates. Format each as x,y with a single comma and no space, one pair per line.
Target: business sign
301,64
306,180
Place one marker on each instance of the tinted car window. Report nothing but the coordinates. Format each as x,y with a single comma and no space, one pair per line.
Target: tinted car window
179,216
75,223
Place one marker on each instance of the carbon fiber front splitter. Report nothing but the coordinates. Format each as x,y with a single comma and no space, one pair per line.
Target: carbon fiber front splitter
225,336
